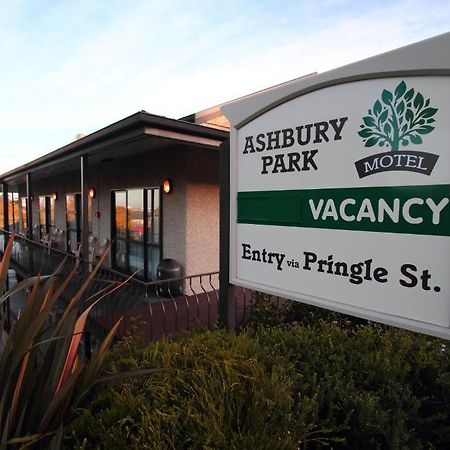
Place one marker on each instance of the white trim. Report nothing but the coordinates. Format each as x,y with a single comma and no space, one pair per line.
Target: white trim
176,135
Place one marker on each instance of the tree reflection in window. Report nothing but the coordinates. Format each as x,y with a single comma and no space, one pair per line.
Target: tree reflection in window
136,231
13,211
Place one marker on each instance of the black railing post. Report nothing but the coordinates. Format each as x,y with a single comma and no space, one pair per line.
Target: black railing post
227,308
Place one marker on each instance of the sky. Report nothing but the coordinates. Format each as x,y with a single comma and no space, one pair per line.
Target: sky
76,66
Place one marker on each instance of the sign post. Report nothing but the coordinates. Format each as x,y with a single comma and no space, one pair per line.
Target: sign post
227,312
340,189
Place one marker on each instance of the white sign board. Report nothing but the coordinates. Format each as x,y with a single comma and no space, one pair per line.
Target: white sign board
341,198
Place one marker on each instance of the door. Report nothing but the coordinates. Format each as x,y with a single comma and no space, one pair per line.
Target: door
46,215
73,221
136,231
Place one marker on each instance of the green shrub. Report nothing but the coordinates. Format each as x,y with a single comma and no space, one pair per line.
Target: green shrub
383,389
277,387
215,394
270,311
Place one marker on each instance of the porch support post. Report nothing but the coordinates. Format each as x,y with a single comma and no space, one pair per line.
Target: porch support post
5,243
29,207
84,208
5,206
227,304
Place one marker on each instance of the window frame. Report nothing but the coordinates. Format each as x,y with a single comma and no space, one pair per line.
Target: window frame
13,211
23,205
146,243
77,213
49,215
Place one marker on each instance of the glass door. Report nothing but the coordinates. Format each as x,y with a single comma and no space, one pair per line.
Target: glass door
13,211
24,215
73,217
2,220
136,231
152,237
46,215
135,211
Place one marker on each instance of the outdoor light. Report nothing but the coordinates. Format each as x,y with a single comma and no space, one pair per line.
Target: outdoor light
167,186
54,196
92,193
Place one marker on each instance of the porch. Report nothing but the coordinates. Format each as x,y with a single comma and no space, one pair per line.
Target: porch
107,187
154,309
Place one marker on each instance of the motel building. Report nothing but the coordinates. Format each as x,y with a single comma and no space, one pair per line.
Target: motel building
353,163
147,185
119,175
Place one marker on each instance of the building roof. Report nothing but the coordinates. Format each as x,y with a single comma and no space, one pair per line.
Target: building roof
139,125
214,117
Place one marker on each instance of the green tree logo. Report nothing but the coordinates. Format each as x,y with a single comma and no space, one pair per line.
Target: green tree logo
399,118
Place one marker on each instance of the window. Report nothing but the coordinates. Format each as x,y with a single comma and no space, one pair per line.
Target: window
13,211
23,213
46,215
42,216
153,230
73,217
136,231
2,217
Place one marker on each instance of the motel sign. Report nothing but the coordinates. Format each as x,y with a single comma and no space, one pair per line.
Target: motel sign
340,189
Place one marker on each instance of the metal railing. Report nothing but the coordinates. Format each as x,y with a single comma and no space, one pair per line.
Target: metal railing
154,309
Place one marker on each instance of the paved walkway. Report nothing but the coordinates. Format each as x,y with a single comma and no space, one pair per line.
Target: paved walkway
170,316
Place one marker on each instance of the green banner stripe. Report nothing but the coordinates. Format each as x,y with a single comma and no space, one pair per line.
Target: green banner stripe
400,209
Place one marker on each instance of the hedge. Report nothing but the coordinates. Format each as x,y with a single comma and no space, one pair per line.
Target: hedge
213,394
289,387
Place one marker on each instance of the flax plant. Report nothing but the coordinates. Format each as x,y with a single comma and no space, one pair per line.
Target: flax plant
42,378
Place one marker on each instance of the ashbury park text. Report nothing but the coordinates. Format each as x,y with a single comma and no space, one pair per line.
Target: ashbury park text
303,135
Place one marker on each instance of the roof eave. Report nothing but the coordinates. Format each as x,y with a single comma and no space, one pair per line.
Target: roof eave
136,122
